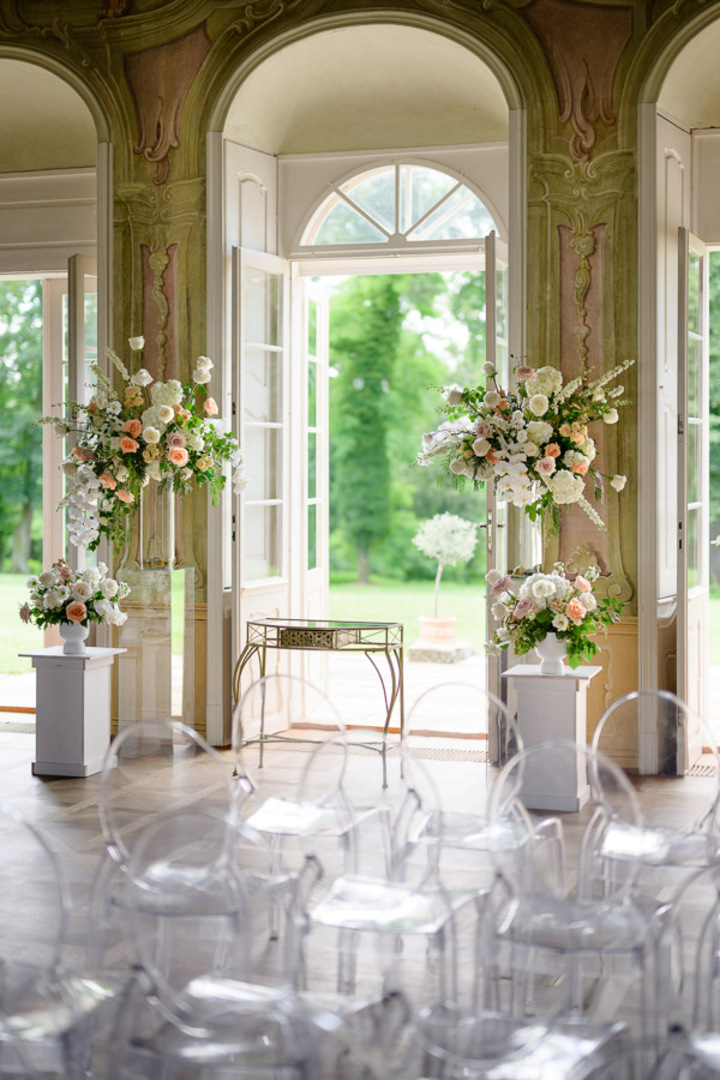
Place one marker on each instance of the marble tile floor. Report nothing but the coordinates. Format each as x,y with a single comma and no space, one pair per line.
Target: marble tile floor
66,811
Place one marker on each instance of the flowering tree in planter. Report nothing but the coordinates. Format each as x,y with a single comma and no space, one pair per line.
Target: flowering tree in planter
449,539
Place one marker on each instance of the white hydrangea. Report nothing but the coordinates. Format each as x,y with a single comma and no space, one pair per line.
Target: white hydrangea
565,487
539,431
546,380
167,393
573,457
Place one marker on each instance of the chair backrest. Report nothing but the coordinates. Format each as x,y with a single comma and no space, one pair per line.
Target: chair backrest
672,725
33,906
537,775
280,713
467,708
154,767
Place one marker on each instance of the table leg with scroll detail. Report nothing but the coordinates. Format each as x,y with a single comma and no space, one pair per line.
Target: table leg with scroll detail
329,636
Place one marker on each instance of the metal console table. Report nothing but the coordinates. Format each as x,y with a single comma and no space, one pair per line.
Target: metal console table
380,639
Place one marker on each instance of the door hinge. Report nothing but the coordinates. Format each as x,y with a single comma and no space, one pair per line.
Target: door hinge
681,425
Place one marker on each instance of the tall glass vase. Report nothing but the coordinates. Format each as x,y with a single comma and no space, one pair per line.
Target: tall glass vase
150,531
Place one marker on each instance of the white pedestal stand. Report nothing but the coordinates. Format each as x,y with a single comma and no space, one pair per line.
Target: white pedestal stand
552,707
72,710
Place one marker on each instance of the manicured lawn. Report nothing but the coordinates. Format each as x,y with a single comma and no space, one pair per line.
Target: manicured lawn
405,601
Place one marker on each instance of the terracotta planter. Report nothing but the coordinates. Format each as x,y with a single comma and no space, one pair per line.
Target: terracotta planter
437,630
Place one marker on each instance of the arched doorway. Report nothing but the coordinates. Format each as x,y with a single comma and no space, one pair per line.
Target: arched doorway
54,271
307,120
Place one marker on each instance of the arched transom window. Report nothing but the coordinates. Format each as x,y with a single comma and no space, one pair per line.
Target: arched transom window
398,205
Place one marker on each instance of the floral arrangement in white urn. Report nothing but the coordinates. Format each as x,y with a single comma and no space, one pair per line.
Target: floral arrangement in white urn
161,432
550,604
532,442
61,595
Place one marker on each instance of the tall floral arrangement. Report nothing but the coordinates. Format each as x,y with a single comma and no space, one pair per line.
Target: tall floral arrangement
551,603
532,442
145,432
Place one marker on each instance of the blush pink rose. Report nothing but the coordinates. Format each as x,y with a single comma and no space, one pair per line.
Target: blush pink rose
125,496
524,606
178,456
575,611
577,437
128,445
552,450
501,586
211,407
545,466
524,372
76,611
175,439
483,429
582,584
83,453
580,468
133,427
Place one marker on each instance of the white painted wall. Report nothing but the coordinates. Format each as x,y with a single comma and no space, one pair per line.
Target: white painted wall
706,180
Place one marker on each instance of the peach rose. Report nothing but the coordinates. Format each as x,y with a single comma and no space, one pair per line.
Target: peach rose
492,457
108,481
125,496
575,611
582,584
182,415
204,463
83,453
128,445
211,407
134,428
577,437
565,430
76,611
133,396
178,456
580,468
175,439
552,450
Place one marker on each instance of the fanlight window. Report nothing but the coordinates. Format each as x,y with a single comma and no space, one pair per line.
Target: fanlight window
396,205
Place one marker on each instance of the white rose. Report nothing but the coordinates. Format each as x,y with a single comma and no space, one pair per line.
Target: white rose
51,600
194,441
481,447
68,468
109,588
531,449
499,611
488,368
588,601
611,417
136,343
492,577
121,473
151,435
561,622
47,578
204,363
618,482
539,404
82,590
141,377
458,467
165,413
201,375
492,399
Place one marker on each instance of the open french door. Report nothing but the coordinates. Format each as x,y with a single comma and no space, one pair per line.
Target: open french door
82,350
693,490
261,397
496,353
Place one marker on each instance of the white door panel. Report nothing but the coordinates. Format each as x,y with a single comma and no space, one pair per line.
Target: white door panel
693,488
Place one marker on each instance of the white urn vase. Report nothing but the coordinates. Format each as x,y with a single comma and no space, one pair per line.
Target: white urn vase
73,636
552,653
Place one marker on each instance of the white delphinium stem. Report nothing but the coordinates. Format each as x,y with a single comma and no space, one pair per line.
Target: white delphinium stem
610,375
591,512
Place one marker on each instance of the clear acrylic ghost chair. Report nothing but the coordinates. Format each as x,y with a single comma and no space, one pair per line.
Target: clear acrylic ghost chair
278,796
669,839
215,1003
580,948
50,1011
152,768
390,923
